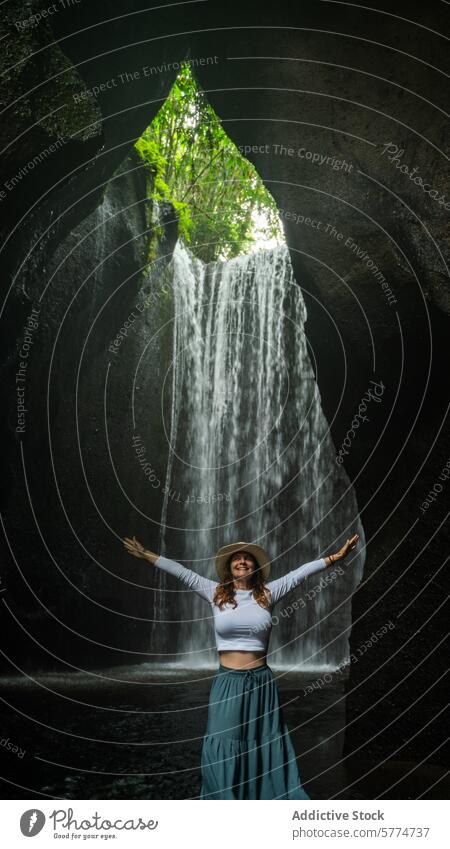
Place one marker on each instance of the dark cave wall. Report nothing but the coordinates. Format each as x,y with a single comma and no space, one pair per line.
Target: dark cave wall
321,105
100,324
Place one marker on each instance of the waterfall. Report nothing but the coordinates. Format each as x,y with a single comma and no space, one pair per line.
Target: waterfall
251,456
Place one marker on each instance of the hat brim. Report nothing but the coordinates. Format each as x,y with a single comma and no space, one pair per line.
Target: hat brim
259,554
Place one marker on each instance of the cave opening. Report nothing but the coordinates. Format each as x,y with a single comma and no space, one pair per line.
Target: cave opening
223,206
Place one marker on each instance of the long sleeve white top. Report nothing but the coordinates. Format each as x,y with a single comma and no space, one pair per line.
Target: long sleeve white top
246,627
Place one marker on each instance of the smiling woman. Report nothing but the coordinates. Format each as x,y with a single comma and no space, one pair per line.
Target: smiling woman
247,752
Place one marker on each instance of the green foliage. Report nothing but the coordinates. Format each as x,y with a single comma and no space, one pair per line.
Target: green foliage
194,165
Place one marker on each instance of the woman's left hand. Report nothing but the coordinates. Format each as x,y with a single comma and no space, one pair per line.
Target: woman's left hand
350,545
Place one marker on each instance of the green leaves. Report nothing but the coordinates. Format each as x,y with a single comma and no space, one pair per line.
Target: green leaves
193,164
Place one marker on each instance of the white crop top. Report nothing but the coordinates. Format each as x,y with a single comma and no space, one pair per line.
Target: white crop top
246,627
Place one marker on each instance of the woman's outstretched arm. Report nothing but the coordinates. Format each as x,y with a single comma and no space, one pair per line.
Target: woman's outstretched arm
197,583
283,585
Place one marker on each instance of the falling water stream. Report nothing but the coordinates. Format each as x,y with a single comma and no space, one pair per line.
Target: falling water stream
251,457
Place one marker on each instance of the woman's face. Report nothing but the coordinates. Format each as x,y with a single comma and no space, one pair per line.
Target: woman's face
242,564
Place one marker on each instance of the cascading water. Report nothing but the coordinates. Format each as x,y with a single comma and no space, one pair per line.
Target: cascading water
251,457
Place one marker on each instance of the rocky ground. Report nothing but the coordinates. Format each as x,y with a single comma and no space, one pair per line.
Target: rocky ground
85,737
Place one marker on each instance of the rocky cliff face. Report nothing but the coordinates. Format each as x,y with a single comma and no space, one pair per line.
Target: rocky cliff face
340,110
94,319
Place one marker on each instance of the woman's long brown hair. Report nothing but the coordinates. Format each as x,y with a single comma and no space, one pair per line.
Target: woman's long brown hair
226,593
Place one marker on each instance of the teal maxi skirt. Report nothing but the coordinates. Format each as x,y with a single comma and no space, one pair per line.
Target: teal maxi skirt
247,752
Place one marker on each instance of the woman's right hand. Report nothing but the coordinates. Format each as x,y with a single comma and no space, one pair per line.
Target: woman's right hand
135,548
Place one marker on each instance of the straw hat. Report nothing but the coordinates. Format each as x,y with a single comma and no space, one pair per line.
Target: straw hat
259,554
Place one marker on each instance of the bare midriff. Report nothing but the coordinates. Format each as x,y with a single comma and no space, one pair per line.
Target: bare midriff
242,659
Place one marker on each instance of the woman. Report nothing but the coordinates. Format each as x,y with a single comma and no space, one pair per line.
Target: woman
247,752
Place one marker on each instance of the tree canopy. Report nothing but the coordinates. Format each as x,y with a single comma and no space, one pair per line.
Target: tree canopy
223,206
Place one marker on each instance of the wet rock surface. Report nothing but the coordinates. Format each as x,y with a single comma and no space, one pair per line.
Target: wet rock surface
142,739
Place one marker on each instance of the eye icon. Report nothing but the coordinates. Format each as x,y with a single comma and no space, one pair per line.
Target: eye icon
32,822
